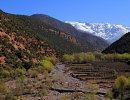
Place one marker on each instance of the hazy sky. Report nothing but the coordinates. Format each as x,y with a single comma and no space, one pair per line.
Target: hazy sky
111,11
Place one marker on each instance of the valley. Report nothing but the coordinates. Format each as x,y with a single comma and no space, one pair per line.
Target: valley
43,58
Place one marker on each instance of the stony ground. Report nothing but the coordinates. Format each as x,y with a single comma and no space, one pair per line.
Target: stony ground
58,85
65,86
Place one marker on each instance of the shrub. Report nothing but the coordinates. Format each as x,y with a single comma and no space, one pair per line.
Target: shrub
92,94
68,58
120,85
12,73
79,57
109,95
32,73
39,69
52,59
20,72
89,56
98,55
116,57
121,82
107,57
47,65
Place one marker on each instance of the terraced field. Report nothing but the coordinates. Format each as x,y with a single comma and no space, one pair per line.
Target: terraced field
103,73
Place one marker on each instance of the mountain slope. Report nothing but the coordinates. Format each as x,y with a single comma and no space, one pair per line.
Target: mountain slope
97,42
24,39
120,46
109,32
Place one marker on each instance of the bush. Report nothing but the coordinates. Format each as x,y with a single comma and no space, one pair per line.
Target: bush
89,56
98,55
109,95
121,82
116,57
68,58
92,92
20,72
32,73
47,65
79,57
120,85
52,59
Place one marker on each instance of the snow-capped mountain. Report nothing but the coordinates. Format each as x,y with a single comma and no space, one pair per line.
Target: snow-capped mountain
109,32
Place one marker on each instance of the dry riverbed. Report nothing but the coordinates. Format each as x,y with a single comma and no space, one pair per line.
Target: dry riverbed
57,85
65,86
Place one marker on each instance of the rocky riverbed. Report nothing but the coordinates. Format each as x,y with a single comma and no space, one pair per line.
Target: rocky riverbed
65,86
57,85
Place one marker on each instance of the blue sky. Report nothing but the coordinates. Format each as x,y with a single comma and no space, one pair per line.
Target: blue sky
111,11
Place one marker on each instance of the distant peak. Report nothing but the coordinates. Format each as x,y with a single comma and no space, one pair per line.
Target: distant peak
108,31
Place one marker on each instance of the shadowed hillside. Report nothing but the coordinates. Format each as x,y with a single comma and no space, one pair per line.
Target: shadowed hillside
120,46
97,42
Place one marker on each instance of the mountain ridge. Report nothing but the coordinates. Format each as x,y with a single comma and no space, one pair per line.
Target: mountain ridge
98,42
109,32
25,40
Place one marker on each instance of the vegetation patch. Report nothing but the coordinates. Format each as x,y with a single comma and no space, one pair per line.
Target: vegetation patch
95,56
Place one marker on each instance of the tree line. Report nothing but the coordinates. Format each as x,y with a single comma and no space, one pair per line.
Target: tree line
89,56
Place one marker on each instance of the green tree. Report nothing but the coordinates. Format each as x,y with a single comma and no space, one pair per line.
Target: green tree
68,58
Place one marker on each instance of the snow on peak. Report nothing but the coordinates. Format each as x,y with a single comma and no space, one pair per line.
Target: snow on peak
110,32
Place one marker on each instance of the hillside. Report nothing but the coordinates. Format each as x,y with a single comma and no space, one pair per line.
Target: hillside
97,42
107,31
120,46
24,40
